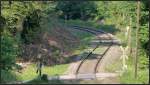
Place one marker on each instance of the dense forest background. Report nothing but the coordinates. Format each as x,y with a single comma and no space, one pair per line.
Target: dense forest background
28,26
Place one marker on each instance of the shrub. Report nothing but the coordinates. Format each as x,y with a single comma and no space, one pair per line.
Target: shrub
31,28
44,77
9,51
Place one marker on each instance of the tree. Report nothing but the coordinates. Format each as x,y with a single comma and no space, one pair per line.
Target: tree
76,10
137,37
9,51
31,28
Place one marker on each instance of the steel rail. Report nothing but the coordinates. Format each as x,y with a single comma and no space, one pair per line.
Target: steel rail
93,31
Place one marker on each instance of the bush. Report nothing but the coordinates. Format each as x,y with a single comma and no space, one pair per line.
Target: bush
31,28
7,76
9,51
44,77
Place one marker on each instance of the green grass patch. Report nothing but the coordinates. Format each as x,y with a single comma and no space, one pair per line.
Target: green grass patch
30,72
99,50
84,38
55,70
128,76
79,33
93,24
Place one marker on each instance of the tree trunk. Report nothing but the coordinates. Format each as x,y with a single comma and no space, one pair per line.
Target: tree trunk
137,37
129,41
0,7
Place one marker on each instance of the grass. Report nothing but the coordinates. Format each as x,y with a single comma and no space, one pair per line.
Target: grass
83,35
7,76
55,70
128,76
92,24
99,50
119,32
84,38
30,71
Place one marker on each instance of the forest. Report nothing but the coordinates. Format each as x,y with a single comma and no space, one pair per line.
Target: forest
44,31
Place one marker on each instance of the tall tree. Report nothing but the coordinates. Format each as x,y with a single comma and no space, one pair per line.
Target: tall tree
76,10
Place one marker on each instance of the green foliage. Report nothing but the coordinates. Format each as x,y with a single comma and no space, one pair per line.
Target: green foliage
3,23
9,51
144,34
44,77
143,59
31,27
30,72
16,13
115,14
129,78
76,10
118,13
13,15
7,76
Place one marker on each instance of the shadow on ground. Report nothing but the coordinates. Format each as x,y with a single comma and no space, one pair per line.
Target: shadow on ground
109,28
110,80
75,58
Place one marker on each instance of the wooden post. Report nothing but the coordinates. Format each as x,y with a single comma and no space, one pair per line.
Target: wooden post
137,37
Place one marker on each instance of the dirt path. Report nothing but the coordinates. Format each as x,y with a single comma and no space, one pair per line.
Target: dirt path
112,56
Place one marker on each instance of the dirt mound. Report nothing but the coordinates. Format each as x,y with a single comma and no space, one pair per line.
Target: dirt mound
56,45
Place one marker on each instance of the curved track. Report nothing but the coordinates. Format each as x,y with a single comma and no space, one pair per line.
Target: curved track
95,32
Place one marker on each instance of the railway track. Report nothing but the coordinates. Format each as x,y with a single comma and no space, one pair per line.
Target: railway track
95,32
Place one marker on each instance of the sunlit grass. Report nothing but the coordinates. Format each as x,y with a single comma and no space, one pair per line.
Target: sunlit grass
129,78
99,50
30,72
55,70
